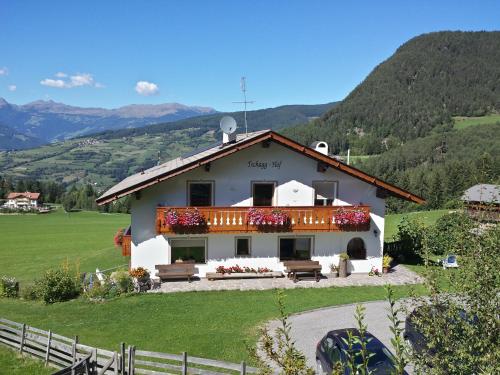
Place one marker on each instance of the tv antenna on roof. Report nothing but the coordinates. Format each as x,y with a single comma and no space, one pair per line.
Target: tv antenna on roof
243,85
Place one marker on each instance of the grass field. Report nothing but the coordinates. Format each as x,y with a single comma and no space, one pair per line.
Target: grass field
465,122
32,244
12,363
207,324
427,217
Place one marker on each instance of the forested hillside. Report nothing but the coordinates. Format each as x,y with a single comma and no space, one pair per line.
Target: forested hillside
440,167
415,92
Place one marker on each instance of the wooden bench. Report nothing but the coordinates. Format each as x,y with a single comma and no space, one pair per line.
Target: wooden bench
294,267
175,271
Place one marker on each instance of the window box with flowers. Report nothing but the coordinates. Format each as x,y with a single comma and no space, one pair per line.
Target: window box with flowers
269,221
352,219
237,272
190,220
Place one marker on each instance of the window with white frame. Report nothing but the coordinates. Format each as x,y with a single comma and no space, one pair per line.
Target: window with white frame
325,192
188,249
243,246
295,248
200,193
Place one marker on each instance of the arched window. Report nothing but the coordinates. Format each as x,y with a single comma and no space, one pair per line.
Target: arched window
356,249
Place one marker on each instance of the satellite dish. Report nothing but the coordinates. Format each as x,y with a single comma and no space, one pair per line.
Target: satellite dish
228,125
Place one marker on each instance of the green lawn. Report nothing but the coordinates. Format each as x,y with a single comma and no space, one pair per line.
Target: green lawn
32,244
206,324
465,122
12,363
392,221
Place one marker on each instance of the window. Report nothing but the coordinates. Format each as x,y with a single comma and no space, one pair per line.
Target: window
243,246
295,248
263,193
193,249
324,192
200,194
356,248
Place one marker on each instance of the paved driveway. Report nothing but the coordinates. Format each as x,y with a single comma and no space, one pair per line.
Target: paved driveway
309,327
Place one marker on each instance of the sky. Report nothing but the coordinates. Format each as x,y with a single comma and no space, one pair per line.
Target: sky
114,53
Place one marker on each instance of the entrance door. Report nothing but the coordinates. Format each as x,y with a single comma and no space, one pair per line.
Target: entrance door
295,248
263,193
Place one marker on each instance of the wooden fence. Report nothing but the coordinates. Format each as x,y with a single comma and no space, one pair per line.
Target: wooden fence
72,357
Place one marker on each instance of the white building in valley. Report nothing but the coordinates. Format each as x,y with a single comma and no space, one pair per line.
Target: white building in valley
260,199
22,201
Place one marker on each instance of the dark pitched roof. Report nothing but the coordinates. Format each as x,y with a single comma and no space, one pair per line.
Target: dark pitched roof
181,165
486,193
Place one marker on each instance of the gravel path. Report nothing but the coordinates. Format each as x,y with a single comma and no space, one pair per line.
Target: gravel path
399,275
310,327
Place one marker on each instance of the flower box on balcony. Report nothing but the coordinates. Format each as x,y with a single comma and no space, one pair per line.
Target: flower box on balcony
188,221
352,219
269,221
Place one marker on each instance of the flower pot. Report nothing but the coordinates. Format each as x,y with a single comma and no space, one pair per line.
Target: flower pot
385,269
333,275
343,268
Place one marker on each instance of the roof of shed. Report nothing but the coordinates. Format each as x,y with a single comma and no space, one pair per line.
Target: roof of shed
486,193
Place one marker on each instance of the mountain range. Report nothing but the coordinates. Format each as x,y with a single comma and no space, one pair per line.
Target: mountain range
107,157
47,121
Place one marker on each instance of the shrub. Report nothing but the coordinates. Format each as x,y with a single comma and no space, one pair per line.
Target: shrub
123,281
57,286
102,290
408,245
9,287
29,292
447,235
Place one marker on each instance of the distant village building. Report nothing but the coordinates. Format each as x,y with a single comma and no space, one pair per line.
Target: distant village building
483,201
22,201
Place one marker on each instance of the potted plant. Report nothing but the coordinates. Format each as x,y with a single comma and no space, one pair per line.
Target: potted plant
343,264
386,263
334,270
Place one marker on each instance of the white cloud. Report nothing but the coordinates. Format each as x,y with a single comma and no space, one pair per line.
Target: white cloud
146,88
12,87
58,83
76,80
84,79
4,71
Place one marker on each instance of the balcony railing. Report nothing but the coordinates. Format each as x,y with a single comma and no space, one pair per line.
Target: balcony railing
238,219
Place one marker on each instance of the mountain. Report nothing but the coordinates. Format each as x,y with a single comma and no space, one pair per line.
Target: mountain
414,93
53,121
12,140
107,157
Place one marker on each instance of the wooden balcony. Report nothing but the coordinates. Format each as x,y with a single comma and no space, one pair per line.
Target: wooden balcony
237,220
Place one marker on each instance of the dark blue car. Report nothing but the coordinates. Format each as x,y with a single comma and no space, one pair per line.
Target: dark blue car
331,349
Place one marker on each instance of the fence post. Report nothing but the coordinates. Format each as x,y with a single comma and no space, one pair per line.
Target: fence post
73,349
93,359
122,358
243,370
184,363
23,333
129,370
116,363
47,353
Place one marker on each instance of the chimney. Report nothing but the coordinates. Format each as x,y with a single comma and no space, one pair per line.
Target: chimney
228,138
321,147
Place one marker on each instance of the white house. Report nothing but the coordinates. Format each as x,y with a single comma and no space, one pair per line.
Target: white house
22,201
319,205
